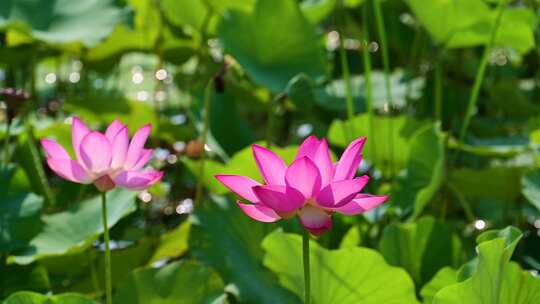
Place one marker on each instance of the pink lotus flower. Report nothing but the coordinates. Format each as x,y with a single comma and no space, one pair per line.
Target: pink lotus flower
107,160
312,187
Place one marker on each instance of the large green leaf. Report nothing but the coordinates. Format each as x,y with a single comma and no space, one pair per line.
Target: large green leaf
63,21
19,220
198,14
444,277
273,52
500,147
317,10
226,239
348,275
531,187
467,23
390,145
502,183
333,95
227,125
421,247
173,244
28,297
424,170
300,92
76,228
141,37
179,282
185,12
28,277
492,278
82,272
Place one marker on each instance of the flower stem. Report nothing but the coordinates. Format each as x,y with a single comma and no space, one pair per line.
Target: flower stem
481,71
386,66
38,165
307,276
108,283
6,144
273,104
367,75
206,125
346,73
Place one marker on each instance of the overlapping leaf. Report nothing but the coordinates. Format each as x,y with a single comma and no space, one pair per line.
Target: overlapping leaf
277,50
467,23
76,228
347,275
63,21
179,282
492,278
224,238
422,247
28,297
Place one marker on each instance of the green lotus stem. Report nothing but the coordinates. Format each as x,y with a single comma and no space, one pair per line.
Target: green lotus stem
108,281
159,52
381,31
307,269
481,72
368,84
36,161
33,71
272,107
6,144
206,125
93,275
412,59
438,92
346,78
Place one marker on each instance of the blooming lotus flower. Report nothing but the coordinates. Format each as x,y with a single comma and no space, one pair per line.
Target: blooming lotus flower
312,187
106,160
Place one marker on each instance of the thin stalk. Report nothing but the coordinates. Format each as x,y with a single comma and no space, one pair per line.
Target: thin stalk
6,143
206,126
481,72
93,274
270,122
412,60
108,282
369,86
381,31
346,75
307,270
33,71
464,203
444,209
346,78
159,52
38,165
438,93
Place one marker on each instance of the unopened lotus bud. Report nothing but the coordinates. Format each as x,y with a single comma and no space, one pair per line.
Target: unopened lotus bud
14,100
